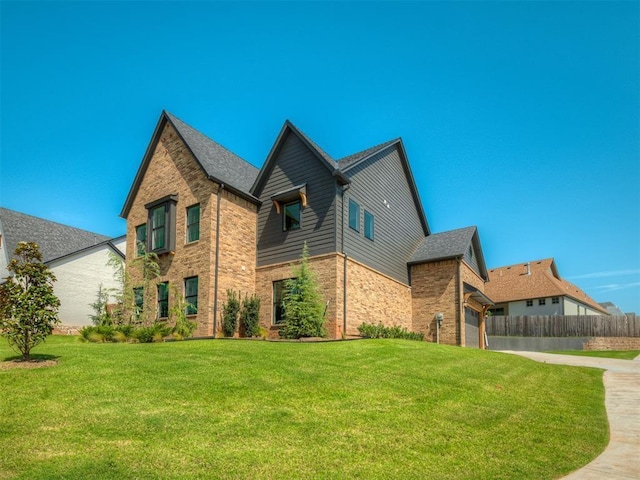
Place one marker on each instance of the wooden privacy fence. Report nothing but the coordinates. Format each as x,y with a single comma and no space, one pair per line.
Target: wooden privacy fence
564,326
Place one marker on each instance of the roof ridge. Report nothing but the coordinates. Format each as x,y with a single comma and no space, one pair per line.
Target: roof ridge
173,118
362,154
320,150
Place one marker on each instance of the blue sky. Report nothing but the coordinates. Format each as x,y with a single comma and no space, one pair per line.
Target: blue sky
522,118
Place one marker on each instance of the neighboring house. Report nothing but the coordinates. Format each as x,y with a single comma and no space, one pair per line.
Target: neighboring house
536,288
612,309
76,257
218,223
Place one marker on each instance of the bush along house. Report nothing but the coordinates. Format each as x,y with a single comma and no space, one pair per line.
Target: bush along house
218,223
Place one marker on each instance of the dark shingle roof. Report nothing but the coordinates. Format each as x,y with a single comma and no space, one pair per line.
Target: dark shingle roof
346,162
440,246
54,239
217,161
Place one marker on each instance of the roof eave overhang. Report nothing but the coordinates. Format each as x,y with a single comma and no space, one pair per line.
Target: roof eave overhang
431,260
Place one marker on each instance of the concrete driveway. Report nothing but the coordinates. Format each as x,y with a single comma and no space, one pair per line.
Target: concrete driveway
621,458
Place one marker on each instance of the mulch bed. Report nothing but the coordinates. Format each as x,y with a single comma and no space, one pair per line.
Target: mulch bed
35,363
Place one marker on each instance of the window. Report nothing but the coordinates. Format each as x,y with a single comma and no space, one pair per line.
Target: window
141,239
158,227
542,301
291,217
193,223
191,295
138,298
354,215
278,301
163,300
529,303
368,225
555,300
497,311
161,225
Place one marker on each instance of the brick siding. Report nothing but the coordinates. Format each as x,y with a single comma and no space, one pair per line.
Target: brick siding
613,343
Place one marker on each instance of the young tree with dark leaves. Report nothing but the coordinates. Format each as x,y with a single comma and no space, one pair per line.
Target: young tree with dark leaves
28,306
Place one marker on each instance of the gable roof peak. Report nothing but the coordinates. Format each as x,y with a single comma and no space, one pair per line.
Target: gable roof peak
352,160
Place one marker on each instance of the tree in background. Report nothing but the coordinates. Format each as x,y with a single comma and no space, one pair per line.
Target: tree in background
303,306
28,306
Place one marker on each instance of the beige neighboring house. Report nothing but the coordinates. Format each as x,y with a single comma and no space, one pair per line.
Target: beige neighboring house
536,288
76,257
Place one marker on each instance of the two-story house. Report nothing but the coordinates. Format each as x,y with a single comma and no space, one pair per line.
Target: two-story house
219,223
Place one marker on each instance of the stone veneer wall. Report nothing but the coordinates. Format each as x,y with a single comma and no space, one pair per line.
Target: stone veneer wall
373,297
173,170
612,343
435,288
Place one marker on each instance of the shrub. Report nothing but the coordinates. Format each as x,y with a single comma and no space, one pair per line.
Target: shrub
250,315
154,333
230,314
371,330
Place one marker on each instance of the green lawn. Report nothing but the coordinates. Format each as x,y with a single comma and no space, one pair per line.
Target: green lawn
622,354
250,409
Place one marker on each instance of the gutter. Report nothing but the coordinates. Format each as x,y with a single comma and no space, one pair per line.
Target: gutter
345,187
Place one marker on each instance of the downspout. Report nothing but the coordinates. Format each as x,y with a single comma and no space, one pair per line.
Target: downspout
215,272
460,300
344,266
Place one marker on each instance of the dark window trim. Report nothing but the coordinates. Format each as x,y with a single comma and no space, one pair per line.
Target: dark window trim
192,225
192,307
170,202
275,306
284,216
164,300
141,243
371,234
357,215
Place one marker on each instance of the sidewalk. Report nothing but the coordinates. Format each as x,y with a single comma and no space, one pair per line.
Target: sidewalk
621,458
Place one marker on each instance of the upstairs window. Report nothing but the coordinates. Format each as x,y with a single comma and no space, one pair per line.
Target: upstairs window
193,223
141,239
163,300
555,300
354,215
291,216
542,301
529,303
368,225
191,295
161,225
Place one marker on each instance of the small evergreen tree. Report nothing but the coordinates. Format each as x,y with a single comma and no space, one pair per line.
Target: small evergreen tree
250,315
303,306
28,306
101,315
230,314
183,327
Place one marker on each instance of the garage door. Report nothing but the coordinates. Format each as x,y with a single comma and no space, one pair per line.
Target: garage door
472,334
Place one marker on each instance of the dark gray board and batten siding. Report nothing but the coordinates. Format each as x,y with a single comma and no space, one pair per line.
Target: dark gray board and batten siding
295,165
472,259
397,227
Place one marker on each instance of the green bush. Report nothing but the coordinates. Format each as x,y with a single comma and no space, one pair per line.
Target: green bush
371,330
230,314
250,315
154,333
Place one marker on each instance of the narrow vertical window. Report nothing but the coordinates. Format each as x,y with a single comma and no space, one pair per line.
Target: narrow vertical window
191,295
291,217
158,236
138,298
354,215
193,223
368,225
141,239
278,298
163,300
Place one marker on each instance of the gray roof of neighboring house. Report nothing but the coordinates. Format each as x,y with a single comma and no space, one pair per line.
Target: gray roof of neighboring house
441,246
218,162
54,239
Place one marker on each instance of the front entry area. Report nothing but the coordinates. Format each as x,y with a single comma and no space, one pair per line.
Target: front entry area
471,328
